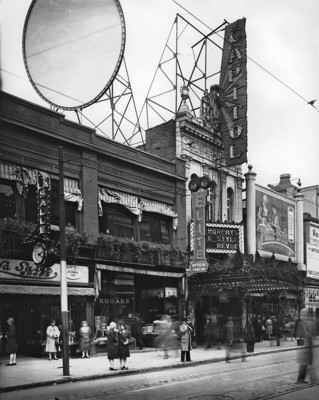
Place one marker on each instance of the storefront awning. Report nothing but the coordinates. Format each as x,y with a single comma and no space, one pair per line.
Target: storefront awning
139,271
45,290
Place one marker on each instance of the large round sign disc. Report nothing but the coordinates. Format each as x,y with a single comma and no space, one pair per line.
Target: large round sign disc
73,49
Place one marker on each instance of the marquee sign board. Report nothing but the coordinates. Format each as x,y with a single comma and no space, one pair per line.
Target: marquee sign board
224,238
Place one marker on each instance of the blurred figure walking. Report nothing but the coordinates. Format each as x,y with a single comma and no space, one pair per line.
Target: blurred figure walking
306,359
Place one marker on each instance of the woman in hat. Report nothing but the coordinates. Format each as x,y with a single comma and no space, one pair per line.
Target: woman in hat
112,345
125,339
53,335
11,342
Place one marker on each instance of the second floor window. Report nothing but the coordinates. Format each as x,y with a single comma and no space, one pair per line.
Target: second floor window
7,200
118,222
155,228
230,205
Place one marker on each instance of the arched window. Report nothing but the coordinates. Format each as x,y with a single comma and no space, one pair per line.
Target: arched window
230,205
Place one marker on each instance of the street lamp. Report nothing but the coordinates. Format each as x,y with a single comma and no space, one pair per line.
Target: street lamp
63,266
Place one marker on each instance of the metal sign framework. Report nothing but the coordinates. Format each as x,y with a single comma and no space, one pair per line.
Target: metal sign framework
120,119
197,78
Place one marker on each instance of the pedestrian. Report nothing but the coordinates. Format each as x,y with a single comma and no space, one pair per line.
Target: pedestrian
138,331
112,345
52,341
186,330
269,330
11,346
305,356
229,337
85,339
250,336
124,339
278,327
208,333
1,342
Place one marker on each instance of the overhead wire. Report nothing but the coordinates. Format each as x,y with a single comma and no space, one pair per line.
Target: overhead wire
310,102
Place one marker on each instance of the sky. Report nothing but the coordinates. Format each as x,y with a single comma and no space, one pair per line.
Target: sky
283,51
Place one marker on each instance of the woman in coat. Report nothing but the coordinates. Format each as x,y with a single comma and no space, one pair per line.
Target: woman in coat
85,339
11,347
186,330
112,345
124,337
53,335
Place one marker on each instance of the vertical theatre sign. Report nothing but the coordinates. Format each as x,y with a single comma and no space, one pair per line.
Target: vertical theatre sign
233,93
199,263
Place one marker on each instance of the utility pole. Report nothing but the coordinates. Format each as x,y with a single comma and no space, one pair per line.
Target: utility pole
64,289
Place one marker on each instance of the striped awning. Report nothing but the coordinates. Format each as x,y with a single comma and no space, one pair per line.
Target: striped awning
139,271
45,290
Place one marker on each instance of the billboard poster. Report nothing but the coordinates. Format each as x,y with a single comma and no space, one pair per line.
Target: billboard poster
312,251
276,224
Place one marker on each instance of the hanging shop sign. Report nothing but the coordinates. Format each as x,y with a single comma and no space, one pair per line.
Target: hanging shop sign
199,263
224,238
26,271
44,203
276,224
312,251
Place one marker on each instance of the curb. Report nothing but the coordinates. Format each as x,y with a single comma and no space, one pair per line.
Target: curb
69,379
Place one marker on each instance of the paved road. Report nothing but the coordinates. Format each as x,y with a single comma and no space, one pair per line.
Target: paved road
259,378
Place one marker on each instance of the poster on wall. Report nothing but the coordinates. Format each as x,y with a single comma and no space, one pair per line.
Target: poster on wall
276,224
312,251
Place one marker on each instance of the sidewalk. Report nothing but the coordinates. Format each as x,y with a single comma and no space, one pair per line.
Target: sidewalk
30,372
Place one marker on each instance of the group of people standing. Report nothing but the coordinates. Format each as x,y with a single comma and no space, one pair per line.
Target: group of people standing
53,342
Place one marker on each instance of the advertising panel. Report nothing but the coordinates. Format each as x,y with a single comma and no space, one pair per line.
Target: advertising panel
276,224
24,271
312,251
199,263
224,238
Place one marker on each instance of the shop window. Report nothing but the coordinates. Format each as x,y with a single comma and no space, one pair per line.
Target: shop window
230,205
155,228
117,221
7,199
70,207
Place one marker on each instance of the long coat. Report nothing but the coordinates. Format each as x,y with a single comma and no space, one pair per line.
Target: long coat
186,337
112,345
85,338
53,333
123,336
11,346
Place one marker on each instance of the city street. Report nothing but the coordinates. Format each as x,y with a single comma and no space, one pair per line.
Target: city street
261,377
